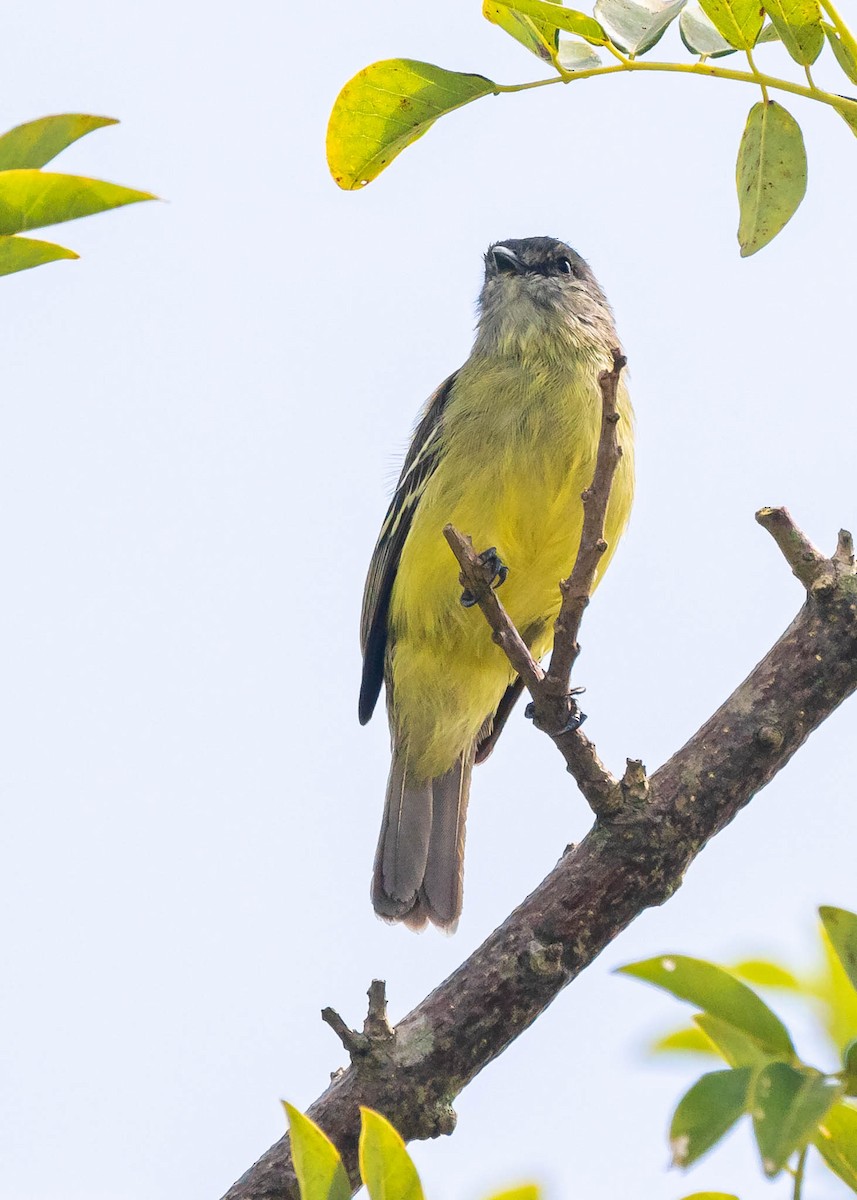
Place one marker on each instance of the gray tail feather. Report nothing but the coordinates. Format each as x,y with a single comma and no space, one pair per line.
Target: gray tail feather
419,864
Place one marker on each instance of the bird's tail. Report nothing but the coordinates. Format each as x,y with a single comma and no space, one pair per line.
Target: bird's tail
419,864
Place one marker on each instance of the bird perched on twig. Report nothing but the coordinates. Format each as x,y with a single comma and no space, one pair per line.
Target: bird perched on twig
503,450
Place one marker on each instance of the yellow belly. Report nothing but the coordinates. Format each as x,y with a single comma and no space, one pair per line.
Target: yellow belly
510,478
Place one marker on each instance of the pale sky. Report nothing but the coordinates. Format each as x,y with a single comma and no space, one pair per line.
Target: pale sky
202,420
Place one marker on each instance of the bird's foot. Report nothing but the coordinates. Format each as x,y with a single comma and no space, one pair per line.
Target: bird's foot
493,570
573,718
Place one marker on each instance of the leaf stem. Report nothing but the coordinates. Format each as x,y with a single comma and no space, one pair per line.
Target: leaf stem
697,68
755,71
616,52
799,1172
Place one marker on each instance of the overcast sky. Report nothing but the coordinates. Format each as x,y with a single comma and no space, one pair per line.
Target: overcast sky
201,423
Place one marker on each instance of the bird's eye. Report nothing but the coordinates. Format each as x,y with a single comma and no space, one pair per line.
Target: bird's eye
565,267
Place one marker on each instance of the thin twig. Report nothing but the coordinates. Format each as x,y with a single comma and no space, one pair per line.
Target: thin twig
843,555
376,1027
806,562
577,589
596,783
554,708
377,1032
474,578
354,1042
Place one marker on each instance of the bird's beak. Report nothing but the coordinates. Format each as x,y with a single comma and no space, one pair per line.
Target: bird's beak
505,260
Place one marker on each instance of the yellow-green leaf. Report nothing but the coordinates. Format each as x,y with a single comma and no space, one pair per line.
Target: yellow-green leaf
711,1196
566,19
321,1175
706,1112
798,22
771,174
388,106
836,1141
762,973
739,1049
717,992
385,1165
683,1041
37,142
847,110
20,254
30,199
739,21
839,999
538,37
841,927
528,1192
849,1071
787,1106
844,54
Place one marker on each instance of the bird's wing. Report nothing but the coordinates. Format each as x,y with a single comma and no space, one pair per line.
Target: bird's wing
486,741
420,462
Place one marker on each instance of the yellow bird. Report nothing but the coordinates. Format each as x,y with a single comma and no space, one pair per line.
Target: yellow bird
503,450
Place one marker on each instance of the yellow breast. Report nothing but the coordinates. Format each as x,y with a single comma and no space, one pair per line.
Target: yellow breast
518,449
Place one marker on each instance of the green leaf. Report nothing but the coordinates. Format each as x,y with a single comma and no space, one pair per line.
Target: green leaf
843,52
538,37
771,174
848,112
566,19
321,1175
683,1041
385,1165
388,106
30,199
798,22
834,989
706,1112
787,1105
740,21
836,1141
849,1065
635,26
762,973
735,1046
699,35
717,992
768,34
840,925
576,56
528,1192
37,142
20,254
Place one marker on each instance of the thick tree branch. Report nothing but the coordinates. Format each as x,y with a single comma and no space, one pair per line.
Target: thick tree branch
622,867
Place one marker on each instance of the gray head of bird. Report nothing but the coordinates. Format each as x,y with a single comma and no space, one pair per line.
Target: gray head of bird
540,292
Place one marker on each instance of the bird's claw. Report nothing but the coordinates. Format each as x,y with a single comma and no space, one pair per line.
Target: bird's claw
495,569
575,717
495,573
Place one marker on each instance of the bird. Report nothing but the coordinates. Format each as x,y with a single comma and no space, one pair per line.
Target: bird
503,450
